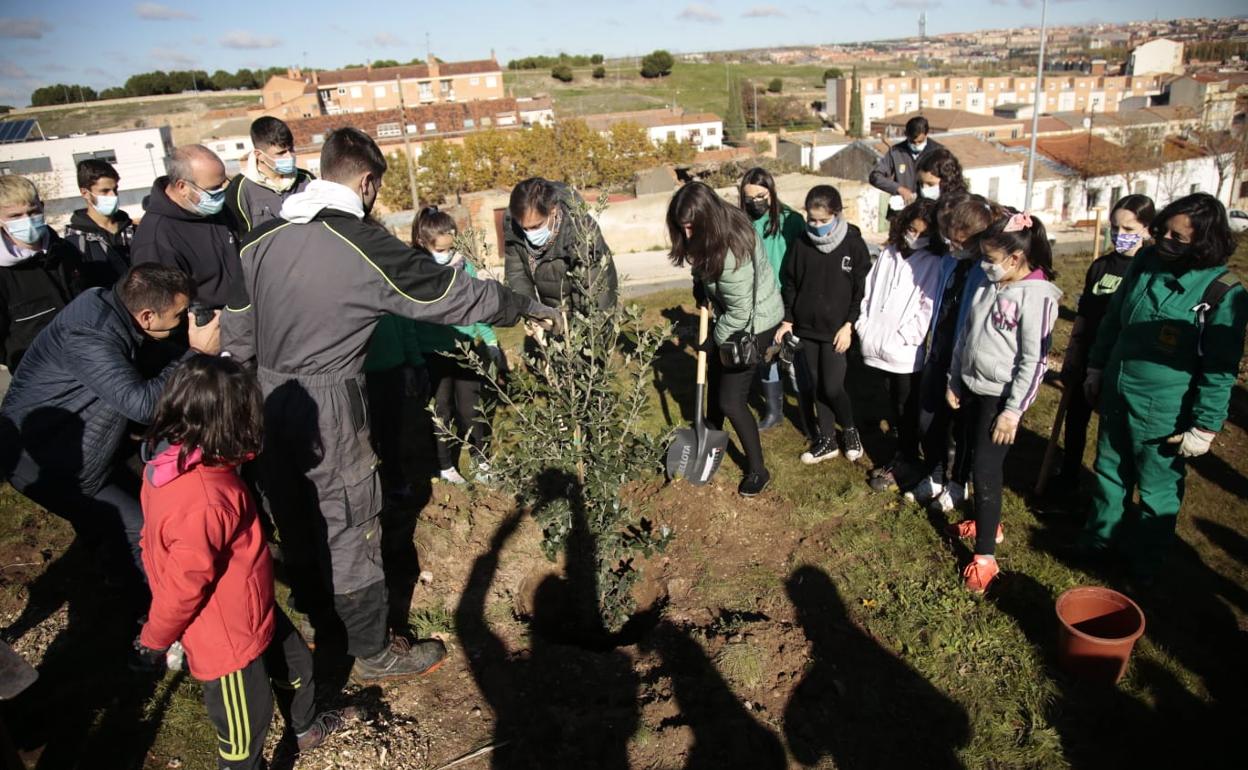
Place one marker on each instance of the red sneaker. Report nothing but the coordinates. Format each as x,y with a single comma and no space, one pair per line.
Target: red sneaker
966,529
980,573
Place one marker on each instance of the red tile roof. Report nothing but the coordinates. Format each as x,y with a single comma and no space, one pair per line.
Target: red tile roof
447,116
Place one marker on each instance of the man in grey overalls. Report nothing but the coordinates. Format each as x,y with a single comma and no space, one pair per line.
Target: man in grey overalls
314,284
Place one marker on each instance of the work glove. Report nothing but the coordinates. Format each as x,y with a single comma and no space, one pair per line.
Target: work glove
548,317
1193,443
1092,386
145,660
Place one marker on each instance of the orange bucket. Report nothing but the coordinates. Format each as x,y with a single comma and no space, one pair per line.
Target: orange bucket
1098,629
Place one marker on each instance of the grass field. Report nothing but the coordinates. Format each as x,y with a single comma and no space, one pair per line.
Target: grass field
98,116
694,87
909,663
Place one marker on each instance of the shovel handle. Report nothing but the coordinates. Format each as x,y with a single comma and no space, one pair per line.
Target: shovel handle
704,320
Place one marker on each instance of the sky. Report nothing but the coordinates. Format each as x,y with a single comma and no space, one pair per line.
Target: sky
100,45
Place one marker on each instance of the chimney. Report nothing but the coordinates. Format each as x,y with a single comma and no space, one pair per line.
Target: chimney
433,66
368,65
293,73
316,78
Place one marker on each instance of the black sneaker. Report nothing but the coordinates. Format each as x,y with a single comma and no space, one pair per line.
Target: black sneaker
326,724
823,449
853,445
400,658
754,483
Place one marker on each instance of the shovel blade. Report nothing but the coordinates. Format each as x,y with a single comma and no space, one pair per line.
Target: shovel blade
682,453
710,454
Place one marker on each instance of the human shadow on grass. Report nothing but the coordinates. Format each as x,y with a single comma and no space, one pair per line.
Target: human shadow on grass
859,704
571,702
725,734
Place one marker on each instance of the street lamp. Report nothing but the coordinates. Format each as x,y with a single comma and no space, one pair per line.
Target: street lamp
1035,111
149,146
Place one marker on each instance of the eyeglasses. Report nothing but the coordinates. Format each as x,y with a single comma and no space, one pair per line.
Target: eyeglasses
209,193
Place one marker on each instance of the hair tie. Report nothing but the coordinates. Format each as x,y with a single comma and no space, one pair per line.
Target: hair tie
1018,222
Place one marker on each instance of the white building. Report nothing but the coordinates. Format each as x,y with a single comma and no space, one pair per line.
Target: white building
52,164
536,111
809,149
1156,56
703,130
232,150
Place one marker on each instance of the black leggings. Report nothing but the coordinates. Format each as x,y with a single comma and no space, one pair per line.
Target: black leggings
831,399
456,393
941,430
385,403
988,465
903,397
730,393
1078,416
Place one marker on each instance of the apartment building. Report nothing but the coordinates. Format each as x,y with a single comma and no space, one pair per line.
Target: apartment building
1213,97
301,94
884,97
704,130
1160,55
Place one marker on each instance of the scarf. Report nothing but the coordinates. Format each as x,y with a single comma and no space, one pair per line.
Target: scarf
13,254
826,243
303,207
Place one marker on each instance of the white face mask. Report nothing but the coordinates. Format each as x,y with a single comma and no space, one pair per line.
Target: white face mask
931,192
539,236
995,272
916,242
441,257
106,204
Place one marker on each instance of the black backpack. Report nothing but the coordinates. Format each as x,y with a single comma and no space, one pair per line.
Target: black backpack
1209,301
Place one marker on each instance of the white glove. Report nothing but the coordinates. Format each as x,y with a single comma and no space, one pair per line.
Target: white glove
1193,443
1092,386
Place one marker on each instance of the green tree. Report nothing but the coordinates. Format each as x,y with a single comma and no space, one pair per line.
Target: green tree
386,63
396,191
440,174
62,93
628,151
671,150
657,64
775,86
855,107
600,72
832,73
596,59
562,72
734,123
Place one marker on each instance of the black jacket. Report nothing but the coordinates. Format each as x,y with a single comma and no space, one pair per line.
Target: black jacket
31,293
545,276
75,392
251,205
203,247
899,167
105,255
823,291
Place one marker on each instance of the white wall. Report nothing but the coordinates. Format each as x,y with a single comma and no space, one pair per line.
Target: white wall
1157,56
684,133
1165,185
137,166
1011,184
232,150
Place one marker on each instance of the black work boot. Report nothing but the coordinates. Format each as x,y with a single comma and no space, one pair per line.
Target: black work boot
326,724
754,483
773,393
400,658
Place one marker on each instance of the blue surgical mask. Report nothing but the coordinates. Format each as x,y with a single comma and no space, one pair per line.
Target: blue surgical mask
441,257
106,204
1124,242
539,236
210,203
820,230
284,165
27,229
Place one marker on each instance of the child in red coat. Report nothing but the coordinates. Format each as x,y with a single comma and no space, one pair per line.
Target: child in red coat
209,568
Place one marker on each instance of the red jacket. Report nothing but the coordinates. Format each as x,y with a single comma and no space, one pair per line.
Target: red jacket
207,563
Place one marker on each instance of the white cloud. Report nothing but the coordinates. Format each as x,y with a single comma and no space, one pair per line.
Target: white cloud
914,5
763,11
24,29
701,13
243,40
158,12
171,56
386,40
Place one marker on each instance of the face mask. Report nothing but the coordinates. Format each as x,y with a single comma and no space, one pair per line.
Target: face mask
539,236
820,230
916,242
27,229
1169,249
931,192
995,272
210,203
917,148
284,165
1124,242
757,209
441,257
106,204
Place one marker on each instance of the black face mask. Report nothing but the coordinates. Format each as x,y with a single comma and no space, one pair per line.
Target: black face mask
1171,250
757,209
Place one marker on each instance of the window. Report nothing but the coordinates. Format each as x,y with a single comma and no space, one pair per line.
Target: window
357,92
389,129
426,92
469,123
1141,188
1194,189
1243,189
220,148
431,126
1048,198
445,87
1094,197
379,92
26,166
957,86
1115,194
486,121
412,128
491,81
318,139
240,146
892,87
994,187
474,81
109,156
712,131
870,87
992,86
671,136
342,90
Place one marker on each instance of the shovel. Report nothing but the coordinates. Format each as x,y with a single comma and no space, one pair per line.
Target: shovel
696,452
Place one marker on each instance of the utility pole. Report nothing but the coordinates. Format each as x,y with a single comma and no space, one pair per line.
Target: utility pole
754,88
1036,104
407,146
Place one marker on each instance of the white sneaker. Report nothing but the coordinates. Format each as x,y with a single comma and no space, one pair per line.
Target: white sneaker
925,491
951,497
451,476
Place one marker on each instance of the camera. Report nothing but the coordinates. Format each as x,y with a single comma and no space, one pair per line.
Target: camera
202,313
